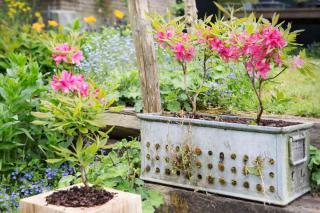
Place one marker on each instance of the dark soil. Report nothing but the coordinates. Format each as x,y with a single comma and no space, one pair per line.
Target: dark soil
80,197
231,119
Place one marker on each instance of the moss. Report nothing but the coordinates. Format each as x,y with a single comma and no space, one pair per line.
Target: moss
198,151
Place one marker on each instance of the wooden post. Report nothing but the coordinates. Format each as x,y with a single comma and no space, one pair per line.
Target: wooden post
146,56
191,12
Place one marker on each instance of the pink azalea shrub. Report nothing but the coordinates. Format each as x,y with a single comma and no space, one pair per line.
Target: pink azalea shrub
260,45
66,53
67,82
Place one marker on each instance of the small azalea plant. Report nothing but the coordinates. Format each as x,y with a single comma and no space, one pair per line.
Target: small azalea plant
76,107
263,47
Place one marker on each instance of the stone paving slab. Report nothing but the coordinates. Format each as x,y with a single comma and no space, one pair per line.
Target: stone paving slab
179,200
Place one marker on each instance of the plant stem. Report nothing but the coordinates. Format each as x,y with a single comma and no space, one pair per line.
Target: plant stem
84,176
258,94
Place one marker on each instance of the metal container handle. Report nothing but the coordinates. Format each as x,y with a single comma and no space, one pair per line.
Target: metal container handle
297,139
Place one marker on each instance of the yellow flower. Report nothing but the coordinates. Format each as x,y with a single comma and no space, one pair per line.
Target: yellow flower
37,14
90,19
53,23
38,26
118,14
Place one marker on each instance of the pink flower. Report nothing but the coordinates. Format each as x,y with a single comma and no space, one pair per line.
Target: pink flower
263,67
189,53
273,38
58,58
215,43
169,34
63,83
84,89
178,50
77,57
70,83
160,37
63,47
297,62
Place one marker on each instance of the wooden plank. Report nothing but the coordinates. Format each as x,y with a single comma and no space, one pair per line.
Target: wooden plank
123,202
146,57
191,12
290,13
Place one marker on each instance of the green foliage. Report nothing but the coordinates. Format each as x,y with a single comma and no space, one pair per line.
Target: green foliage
120,169
20,89
314,167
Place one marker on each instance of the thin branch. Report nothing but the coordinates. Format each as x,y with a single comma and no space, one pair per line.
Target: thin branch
284,69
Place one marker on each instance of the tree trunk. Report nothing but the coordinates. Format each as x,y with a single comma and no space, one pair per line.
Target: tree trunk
191,12
146,56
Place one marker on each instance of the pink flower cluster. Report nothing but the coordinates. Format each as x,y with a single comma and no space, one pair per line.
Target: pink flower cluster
63,52
67,82
258,50
178,43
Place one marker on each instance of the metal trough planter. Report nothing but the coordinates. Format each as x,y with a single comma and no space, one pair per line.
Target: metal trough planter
266,164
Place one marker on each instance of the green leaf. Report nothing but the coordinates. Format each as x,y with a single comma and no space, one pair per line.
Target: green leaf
53,161
39,123
66,181
41,115
174,106
76,25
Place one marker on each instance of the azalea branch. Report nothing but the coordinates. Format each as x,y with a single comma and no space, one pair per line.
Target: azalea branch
258,93
282,71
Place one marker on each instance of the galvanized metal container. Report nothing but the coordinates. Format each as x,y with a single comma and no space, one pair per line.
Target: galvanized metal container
266,164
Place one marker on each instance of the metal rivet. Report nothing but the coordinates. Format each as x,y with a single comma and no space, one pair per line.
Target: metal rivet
221,156
177,148
233,156
210,179
148,144
246,184
234,182
222,181
157,170
210,153
198,164
259,187
167,147
210,166
271,189
157,157
245,158
271,161
221,167
271,174
233,169
167,171
148,156
157,146
199,176
198,151
148,168
178,173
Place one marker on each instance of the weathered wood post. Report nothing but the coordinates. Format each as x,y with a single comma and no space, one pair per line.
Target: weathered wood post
190,12
146,56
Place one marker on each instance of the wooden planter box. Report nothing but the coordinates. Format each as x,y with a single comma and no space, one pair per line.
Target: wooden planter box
123,202
223,157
